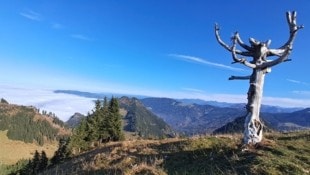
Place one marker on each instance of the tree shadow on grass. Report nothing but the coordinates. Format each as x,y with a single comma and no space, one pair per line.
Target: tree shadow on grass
213,160
208,161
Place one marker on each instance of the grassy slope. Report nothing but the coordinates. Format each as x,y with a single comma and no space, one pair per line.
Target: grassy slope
12,151
278,154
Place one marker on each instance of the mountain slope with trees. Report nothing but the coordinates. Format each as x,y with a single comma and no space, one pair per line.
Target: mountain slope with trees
24,129
75,120
138,119
200,119
28,125
191,118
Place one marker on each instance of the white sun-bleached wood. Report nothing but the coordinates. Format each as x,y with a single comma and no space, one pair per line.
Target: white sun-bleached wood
260,66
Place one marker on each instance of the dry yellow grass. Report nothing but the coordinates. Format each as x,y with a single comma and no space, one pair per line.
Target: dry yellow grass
278,154
11,151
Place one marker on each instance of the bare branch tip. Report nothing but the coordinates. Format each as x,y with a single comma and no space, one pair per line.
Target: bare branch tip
216,27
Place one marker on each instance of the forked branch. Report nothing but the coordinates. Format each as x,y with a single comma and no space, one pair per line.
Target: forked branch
226,46
241,43
234,54
293,27
281,59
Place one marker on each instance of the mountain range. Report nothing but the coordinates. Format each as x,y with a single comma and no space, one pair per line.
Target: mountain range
137,120
196,155
200,119
264,108
191,119
195,116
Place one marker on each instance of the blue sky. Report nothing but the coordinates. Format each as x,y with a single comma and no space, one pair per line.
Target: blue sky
163,48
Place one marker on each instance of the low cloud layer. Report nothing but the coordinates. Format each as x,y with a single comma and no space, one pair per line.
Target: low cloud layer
63,105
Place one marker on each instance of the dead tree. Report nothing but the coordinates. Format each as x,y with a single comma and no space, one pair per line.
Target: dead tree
260,65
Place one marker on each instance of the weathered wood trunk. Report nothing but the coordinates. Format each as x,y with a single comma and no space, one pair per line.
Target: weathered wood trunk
259,51
253,132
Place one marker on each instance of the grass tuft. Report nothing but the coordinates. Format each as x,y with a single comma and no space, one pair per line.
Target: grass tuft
278,154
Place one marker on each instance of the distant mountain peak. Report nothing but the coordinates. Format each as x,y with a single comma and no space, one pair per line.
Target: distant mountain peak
75,120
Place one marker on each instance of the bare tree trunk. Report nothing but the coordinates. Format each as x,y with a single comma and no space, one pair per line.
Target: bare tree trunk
259,51
253,132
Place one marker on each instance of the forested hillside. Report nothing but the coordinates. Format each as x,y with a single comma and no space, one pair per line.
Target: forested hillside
140,120
28,125
25,130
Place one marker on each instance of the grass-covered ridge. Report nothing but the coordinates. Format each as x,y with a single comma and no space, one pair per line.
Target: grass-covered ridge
278,154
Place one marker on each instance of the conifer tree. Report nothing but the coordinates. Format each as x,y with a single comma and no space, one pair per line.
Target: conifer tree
114,121
35,165
78,141
102,124
43,161
62,152
96,119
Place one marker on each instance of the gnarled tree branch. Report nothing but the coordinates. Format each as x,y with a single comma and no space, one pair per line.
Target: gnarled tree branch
293,27
241,43
226,46
281,59
234,55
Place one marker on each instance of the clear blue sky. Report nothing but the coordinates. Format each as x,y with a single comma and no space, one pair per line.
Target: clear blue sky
161,48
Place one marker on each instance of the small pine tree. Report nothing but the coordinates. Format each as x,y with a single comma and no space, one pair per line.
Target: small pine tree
78,141
61,153
115,121
103,123
43,161
36,162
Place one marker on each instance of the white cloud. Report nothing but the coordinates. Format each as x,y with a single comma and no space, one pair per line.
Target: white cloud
193,90
202,61
81,37
307,93
57,26
286,102
297,82
29,14
63,105
293,81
